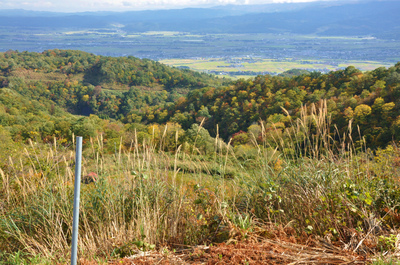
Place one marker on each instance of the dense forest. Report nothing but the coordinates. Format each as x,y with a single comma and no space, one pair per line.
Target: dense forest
58,93
370,100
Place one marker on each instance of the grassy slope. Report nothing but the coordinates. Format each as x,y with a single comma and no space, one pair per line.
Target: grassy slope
145,198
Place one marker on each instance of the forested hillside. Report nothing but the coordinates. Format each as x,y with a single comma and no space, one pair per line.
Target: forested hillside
176,158
57,93
370,100
40,91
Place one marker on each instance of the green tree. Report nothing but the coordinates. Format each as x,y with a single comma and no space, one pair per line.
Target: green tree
362,112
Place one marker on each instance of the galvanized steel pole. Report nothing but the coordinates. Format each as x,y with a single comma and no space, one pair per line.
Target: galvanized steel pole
77,190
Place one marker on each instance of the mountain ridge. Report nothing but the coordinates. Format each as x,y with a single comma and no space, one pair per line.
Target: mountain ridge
371,18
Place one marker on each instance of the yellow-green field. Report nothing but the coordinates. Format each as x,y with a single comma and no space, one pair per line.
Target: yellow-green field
228,66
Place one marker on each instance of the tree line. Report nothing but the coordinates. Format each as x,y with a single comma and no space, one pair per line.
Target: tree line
55,94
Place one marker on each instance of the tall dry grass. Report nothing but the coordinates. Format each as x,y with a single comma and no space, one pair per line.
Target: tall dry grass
138,199
326,184
310,177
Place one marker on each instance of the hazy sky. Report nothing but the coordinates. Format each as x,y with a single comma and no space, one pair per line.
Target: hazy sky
122,5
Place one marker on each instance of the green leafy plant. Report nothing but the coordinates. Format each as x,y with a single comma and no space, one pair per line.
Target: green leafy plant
387,243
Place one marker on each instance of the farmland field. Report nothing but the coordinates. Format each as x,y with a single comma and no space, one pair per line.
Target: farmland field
248,66
273,53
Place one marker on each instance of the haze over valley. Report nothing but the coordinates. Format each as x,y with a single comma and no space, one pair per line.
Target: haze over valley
316,35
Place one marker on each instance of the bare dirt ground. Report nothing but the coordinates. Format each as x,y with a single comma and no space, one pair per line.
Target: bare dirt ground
263,245
267,252
278,250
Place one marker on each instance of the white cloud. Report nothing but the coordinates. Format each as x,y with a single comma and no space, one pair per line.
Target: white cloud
120,5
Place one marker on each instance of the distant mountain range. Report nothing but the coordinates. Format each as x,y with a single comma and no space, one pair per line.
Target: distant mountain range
350,18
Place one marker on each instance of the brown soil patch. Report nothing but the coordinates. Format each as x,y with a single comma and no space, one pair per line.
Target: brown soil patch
265,252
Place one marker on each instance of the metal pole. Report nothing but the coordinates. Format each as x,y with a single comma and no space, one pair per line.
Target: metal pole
77,189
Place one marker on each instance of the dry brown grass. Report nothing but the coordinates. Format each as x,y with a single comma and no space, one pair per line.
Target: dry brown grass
146,199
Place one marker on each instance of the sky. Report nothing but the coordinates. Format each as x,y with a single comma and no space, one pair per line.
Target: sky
123,5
